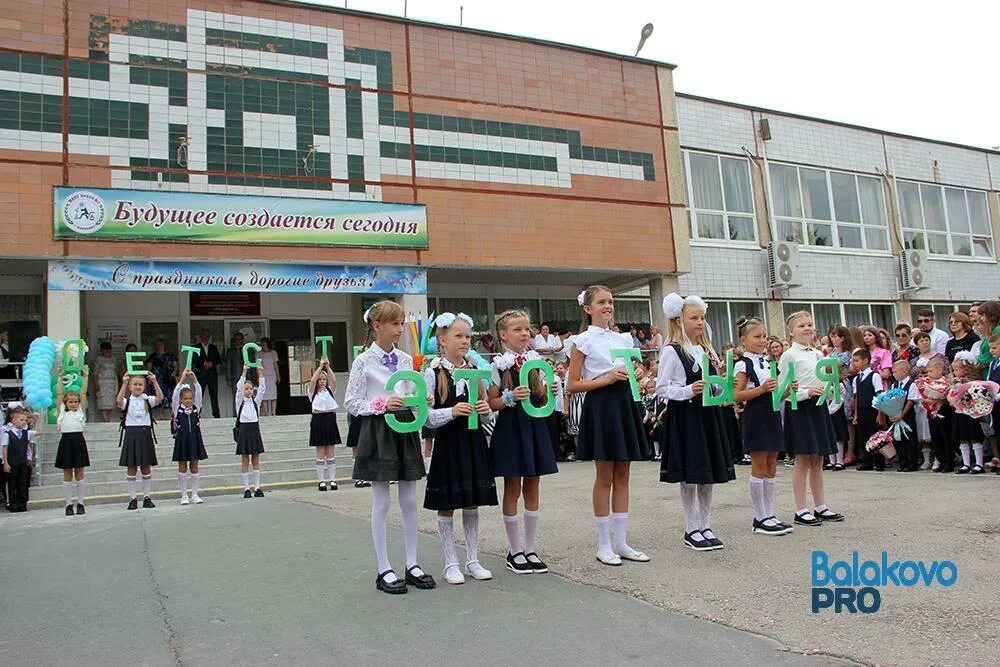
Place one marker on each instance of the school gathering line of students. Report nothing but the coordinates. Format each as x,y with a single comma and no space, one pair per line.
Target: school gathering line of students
693,441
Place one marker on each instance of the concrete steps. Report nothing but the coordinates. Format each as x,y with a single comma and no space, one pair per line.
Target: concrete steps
287,462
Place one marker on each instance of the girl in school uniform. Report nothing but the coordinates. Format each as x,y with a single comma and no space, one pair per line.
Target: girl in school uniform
383,454
809,434
72,456
611,429
323,430
460,476
521,448
761,424
697,453
249,445
189,445
138,443
966,431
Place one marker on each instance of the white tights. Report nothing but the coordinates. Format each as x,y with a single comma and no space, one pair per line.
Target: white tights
380,523
696,501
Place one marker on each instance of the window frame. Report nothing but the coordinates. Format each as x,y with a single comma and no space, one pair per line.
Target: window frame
731,317
834,224
842,307
948,233
694,210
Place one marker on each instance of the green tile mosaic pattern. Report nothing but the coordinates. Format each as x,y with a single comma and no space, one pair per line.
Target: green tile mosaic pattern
273,85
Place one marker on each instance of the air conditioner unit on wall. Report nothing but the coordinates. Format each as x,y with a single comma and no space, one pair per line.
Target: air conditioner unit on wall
912,270
783,264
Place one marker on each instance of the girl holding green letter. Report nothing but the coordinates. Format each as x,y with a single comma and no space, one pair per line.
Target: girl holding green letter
611,429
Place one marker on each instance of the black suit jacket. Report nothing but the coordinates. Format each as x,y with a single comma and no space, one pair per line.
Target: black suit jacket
205,375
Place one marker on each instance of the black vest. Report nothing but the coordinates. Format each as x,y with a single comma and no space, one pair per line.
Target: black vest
17,448
866,392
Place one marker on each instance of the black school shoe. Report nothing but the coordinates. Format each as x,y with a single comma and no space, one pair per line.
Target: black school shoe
977,470
247,493
322,486
69,510
397,587
837,467
964,470
133,504
362,484
259,493
80,509
828,515
424,581
537,565
806,520
714,541
827,465
764,529
699,543
518,568
147,503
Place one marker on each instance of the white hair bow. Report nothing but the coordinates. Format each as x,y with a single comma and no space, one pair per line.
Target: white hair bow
367,314
581,297
673,304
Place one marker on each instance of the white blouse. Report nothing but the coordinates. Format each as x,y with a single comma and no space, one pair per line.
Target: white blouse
323,400
368,377
138,414
760,366
596,344
552,342
249,415
805,359
71,421
671,380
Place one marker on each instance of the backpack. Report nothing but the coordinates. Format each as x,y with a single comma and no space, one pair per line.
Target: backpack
152,421
236,428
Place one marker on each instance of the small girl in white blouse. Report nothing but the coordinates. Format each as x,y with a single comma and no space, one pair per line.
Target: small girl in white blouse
612,433
323,430
72,456
384,455
249,445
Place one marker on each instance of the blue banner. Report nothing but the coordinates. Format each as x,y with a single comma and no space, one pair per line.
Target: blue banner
74,275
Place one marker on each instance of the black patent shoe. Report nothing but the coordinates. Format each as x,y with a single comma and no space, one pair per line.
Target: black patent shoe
259,493
424,581
516,567
80,509
322,486
829,515
765,529
147,503
333,486
69,510
133,504
397,587
538,566
808,519
964,470
977,470
698,543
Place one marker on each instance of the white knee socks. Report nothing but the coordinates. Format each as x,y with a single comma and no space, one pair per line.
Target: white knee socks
131,486
331,469
80,485
689,503
446,532
320,465
68,493
470,522
513,534
408,506
966,454
770,486
193,478
147,484
620,519
530,530
604,549
756,486
245,476
182,480
256,478
380,517
977,448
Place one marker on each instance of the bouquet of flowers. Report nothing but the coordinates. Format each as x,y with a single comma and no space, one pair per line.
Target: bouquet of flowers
933,394
881,442
891,404
975,398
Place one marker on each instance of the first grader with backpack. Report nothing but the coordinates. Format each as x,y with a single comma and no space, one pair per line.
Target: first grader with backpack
185,426
138,443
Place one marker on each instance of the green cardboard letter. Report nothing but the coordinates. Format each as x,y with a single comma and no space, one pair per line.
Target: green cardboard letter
357,350
550,377
135,362
188,353
70,365
246,355
828,370
474,377
418,401
724,383
324,348
783,386
626,353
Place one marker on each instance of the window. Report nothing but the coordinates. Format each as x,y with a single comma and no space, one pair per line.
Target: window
828,209
630,312
562,314
945,221
477,309
942,311
826,315
722,316
530,306
721,197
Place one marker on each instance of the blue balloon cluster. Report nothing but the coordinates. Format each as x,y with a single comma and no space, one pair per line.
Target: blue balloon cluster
38,373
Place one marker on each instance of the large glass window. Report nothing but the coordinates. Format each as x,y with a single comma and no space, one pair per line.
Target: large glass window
562,314
477,309
631,312
721,197
942,311
945,221
722,317
826,315
828,209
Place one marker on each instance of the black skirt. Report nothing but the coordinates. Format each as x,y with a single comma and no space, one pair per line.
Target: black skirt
323,430
72,452
353,428
189,446
427,433
760,427
839,419
249,441
809,430
520,446
965,429
611,427
385,455
695,446
460,474
138,450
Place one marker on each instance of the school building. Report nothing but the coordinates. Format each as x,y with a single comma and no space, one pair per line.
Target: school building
272,167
